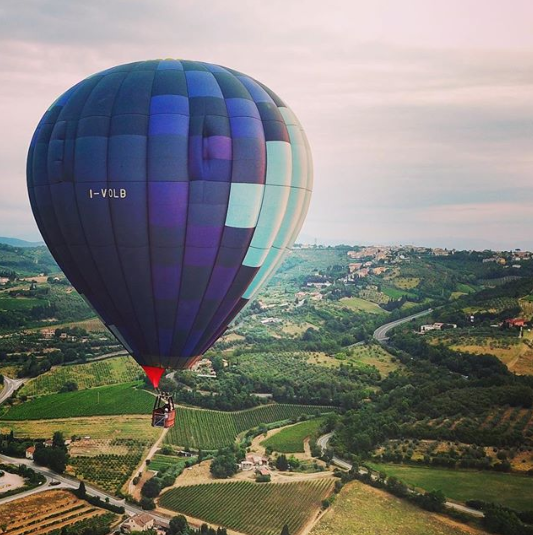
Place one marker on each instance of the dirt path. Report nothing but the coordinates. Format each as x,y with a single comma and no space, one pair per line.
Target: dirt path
132,489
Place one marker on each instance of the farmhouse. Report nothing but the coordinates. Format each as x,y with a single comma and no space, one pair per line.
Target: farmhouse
354,266
29,452
3,281
437,327
48,333
515,322
262,471
140,522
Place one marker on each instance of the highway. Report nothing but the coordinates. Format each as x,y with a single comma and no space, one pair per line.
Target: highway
10,385
322,442
380,334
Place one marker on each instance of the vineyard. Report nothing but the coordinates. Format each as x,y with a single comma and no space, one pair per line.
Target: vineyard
210,430
104,400
291,439
108,471
160,461
48,511
252,508
99,373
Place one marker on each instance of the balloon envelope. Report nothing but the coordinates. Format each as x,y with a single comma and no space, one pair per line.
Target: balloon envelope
168,192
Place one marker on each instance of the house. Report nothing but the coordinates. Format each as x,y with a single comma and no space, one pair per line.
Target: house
246,466
262,471
140,522
354,266
3,281
48,443
300,296
316,296
257,460
437,327
515,322
48,333
271,320
29,452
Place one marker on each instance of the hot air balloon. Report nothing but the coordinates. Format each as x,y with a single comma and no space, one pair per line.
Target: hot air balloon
169,191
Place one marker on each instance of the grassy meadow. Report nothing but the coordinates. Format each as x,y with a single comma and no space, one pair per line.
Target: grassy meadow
514,491
363,510
291,439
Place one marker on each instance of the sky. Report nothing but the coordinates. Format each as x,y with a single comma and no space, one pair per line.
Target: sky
419,112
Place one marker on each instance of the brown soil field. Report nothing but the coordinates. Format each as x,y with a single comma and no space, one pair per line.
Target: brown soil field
44,512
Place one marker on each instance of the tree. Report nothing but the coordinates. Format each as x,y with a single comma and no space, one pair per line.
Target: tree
81,492
282,464
147,503
224,465
151,488
178,525
285,530
58,441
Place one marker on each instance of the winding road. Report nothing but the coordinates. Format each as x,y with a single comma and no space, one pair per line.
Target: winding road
380,334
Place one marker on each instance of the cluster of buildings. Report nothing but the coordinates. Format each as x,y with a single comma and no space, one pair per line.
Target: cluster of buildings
257,463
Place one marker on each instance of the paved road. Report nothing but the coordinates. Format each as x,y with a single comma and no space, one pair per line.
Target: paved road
380,334
322,442
73,483
10,385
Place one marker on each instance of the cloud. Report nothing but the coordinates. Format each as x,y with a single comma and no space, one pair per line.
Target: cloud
411,115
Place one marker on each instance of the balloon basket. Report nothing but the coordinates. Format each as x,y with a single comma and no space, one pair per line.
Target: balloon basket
164,412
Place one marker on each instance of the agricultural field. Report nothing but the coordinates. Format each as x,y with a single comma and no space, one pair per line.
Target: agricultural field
373,355
369,294
516,353
356,303
160,461
251,508
514,491
89,375
205,429
406,283
121,399
109,470
98,427
291,439
49,510
363,510
20,303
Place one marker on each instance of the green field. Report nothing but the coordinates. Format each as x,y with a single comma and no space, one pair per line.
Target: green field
196,428
160,461
395,293
117,399
89,375
461,485
252,508
291,439
363,510
356,303
20,303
